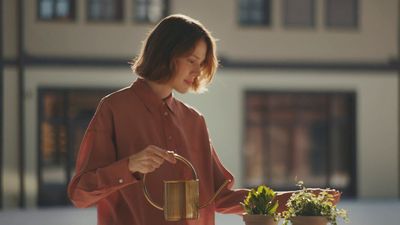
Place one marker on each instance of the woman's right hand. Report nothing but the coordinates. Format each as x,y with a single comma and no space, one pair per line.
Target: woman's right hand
149,159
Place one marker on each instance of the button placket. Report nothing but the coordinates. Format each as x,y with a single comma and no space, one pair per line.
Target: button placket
167,127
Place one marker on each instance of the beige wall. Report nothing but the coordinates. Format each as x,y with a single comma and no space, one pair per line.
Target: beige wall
82,38
374,40
10,144
10,28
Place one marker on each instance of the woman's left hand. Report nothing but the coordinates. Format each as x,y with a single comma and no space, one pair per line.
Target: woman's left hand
335,193
283,197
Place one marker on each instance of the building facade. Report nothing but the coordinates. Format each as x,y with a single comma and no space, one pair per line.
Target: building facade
306,89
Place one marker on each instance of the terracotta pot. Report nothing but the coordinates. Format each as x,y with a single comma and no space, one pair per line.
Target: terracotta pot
309,220
259,220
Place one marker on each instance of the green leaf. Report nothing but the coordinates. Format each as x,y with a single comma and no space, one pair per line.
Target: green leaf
305,203
259,201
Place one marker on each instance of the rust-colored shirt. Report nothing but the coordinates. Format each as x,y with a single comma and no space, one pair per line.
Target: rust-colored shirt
125,123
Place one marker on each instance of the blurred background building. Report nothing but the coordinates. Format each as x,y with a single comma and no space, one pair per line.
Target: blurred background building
307,89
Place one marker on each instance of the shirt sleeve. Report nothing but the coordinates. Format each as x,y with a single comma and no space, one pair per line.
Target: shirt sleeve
228,200
99,172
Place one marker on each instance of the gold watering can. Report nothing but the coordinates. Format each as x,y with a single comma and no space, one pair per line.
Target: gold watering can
181,197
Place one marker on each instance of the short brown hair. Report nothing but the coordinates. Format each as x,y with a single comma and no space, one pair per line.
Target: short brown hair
172,37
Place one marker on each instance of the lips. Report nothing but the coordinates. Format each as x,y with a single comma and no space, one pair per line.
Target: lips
189,82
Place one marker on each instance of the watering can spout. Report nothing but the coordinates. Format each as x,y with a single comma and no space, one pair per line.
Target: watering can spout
216,194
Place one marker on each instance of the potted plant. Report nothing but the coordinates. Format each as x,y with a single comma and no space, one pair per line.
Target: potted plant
260,209
307,207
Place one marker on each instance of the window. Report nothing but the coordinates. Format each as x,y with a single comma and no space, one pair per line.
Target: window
299,13
105,10
342,13
255,12
56,10
303,135
63,117
150,10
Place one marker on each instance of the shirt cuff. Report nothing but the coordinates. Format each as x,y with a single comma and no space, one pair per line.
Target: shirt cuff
116,174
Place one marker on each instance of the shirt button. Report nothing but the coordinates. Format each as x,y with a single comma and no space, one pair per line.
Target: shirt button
165,113
121,181
169,137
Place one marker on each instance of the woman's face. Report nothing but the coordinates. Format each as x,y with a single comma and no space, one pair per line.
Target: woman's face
188,68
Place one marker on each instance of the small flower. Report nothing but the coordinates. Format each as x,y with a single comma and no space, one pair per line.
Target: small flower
306,203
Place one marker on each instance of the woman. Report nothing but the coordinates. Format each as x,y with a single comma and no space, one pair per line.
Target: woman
137,129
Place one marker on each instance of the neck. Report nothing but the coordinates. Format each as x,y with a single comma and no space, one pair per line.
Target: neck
161,90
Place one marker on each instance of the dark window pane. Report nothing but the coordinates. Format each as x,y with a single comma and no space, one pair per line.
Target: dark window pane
308,136
299,13
105,10
62,8
341,13
254,12
150,10
56,10
254,156
46,9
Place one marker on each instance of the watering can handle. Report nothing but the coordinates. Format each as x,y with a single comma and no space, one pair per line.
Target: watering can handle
146,193
186,162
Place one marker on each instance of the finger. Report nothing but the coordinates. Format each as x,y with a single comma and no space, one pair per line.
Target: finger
170,156
167,155
153,157
151,153
154,162
146,170
157,151
147,167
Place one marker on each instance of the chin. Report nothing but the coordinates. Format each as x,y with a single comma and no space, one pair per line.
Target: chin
181,91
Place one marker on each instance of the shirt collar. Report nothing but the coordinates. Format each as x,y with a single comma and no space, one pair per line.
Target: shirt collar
149,98
170,101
